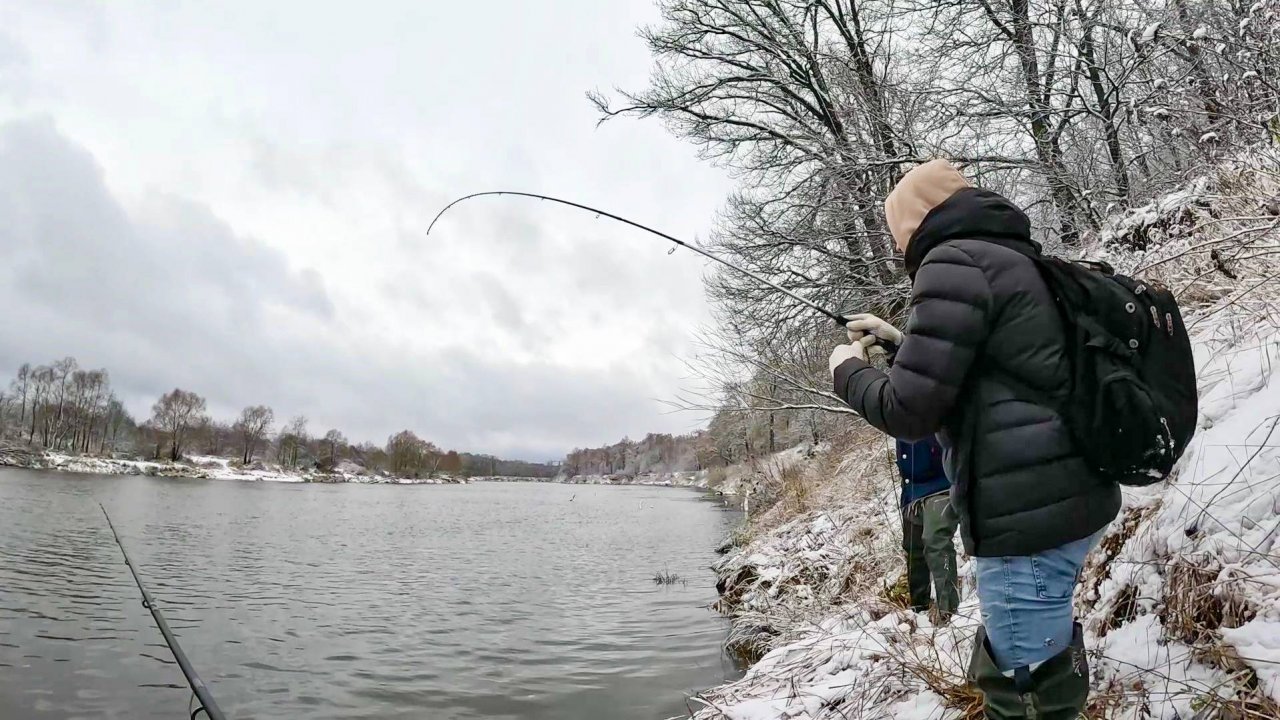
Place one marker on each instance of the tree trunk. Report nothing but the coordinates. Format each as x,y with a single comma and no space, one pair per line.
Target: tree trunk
1048,150
106,427
1107,108
1201,81
773,389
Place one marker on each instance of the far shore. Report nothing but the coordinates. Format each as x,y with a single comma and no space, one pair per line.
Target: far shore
219,468
207,467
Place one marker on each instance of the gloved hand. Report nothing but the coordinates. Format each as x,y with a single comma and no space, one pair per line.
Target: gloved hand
863,323
856,349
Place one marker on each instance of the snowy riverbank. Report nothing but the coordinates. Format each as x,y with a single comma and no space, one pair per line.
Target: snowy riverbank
215,468
678,479
738,480
218,468
1181,603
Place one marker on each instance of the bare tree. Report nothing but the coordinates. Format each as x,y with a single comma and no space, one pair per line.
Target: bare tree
85,406
655,453
293,439
1071,107
451,463
42,380
801,100
405,451
55,378
254,425
219,437
174,414
117,418
153,436
21,387
410,455
334,442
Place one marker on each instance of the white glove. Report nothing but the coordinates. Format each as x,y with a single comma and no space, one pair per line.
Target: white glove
856,349
862,323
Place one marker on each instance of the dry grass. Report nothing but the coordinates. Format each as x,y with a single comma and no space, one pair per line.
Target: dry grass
739,536
716,477
1098,569
666,577
794,489
957,692
733,587
898,594
1197,605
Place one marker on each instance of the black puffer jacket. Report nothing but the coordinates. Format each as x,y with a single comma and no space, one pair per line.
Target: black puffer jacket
982,364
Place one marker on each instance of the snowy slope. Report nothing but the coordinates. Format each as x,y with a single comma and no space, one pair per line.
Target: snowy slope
1181,602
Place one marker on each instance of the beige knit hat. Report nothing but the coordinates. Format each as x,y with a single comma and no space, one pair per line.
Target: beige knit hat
924,188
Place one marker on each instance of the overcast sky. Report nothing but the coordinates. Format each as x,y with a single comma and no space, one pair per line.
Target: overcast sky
232,198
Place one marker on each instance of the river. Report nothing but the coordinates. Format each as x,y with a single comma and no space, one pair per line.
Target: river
503,600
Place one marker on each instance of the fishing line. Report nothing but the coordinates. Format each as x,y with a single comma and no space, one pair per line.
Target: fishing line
601,213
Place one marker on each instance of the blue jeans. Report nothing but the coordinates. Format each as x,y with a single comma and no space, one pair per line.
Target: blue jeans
1026,602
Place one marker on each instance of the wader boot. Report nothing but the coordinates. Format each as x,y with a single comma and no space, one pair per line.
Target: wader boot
913,544
1056,690
940,523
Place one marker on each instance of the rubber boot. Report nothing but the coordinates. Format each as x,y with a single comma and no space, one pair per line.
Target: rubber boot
913,544
940,523
1057,690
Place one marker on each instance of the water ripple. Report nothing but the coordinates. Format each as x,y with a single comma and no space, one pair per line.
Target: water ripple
486,601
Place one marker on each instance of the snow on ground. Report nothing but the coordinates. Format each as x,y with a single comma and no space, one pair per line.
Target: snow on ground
201,466
671,479
1180,603
738,480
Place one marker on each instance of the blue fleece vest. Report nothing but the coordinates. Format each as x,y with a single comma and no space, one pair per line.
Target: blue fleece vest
920,465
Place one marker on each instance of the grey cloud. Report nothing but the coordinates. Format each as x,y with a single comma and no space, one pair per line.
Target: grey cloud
73,247
15,67
168,295
504,309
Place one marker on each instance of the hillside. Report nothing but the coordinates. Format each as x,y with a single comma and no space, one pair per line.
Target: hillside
1181,602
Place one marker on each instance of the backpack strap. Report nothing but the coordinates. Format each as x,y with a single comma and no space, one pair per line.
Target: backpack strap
1031,249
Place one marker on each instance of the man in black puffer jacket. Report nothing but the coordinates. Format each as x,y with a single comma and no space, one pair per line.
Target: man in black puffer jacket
981,363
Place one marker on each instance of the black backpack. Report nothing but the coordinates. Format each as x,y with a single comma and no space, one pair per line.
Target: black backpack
1132,407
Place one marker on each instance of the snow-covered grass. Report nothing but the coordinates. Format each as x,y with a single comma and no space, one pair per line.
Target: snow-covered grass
1180,603
758,478
671,479
1184,601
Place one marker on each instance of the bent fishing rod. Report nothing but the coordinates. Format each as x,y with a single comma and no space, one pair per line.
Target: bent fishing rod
601,213
207,704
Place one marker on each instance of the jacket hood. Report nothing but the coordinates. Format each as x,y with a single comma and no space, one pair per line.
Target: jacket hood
970,213
918,192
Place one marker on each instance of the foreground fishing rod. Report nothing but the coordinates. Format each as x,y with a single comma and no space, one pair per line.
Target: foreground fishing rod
207,705
798,298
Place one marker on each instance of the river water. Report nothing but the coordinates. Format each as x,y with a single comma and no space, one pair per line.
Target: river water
356,601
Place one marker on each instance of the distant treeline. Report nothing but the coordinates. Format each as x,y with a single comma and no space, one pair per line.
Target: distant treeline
656,453
732,436
63,407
